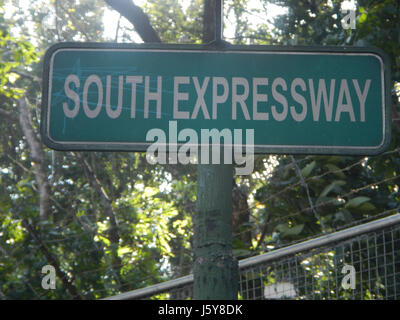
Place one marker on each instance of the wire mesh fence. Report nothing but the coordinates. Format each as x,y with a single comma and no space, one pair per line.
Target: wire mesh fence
360,263
374,260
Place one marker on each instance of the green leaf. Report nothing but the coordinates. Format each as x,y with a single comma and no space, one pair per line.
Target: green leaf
344,215
335,170
308,169
363,17
367,206
124,250
355,202
330,187
285,230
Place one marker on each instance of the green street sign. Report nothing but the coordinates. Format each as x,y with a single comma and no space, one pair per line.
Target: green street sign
308,100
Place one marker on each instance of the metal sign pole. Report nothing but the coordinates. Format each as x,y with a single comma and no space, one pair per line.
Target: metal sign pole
215,269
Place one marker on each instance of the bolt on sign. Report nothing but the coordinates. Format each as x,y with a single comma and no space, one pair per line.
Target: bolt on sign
309,100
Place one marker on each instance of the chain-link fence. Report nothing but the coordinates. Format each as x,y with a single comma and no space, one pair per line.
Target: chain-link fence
362,262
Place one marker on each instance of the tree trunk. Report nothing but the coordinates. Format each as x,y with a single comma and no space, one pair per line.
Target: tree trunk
37,155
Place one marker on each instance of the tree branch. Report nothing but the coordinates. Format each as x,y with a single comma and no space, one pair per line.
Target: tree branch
105,200
137,17
209,21
305,185
52,261
37,155
27,75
